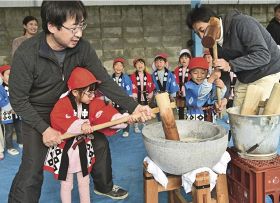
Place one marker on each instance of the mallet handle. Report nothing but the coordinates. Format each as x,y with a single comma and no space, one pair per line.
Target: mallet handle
215,57
114,122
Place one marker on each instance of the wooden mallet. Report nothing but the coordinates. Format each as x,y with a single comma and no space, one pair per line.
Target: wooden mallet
209,41
115,122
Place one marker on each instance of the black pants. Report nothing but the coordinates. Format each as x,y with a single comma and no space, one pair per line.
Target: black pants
9,129
27,184
102,170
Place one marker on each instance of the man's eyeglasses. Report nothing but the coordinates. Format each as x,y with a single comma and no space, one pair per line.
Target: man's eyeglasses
74,30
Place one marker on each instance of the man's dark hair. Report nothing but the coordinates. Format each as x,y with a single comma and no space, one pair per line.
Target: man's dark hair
276,8
199,14
57,12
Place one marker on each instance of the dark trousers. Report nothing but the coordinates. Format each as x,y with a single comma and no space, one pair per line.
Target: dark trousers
9,129
27,184
102,168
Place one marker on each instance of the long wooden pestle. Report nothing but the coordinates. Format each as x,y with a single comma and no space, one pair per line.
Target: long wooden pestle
167,117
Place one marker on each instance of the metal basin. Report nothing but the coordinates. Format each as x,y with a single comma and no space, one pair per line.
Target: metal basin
201,145
254,136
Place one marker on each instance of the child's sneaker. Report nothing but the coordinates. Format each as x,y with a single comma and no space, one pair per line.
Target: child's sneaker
125,134
20,146
1,156
13,151
137,130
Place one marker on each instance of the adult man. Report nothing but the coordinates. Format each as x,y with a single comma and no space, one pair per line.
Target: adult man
274,25
245,47
40,69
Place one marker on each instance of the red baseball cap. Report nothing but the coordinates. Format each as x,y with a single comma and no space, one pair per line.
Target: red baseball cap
161,55
119,59
4,68
198,62
81,77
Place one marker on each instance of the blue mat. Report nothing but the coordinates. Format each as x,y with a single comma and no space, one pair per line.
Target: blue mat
127,157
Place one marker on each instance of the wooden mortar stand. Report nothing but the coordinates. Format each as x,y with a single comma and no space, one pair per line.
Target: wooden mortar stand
167,117
200,190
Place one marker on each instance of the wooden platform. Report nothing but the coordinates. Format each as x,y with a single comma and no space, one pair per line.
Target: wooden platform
200,191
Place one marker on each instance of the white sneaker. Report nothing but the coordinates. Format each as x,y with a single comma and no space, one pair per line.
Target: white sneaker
1,156
20,146
13,151
137,130
125,134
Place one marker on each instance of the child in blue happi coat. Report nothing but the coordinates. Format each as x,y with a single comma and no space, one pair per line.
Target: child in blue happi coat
163,78
124,81
9,118
201,92
6,107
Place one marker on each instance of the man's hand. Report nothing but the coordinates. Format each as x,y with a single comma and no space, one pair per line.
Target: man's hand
219,83
222,106
51,137
216,74
145,113
221,64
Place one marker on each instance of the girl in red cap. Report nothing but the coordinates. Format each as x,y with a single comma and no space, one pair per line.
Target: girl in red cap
76,113
142,85
200,91
123,80
181,75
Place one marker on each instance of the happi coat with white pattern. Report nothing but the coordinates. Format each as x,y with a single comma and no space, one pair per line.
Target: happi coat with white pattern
62,116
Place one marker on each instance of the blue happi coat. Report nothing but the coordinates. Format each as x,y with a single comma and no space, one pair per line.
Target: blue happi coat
198,97
124,82
169,83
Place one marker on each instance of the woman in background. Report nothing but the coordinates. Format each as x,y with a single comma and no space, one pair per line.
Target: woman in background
30,28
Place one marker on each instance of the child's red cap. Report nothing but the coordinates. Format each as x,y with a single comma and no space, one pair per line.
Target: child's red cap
4,68
122,60
81,77
198,62
161,55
